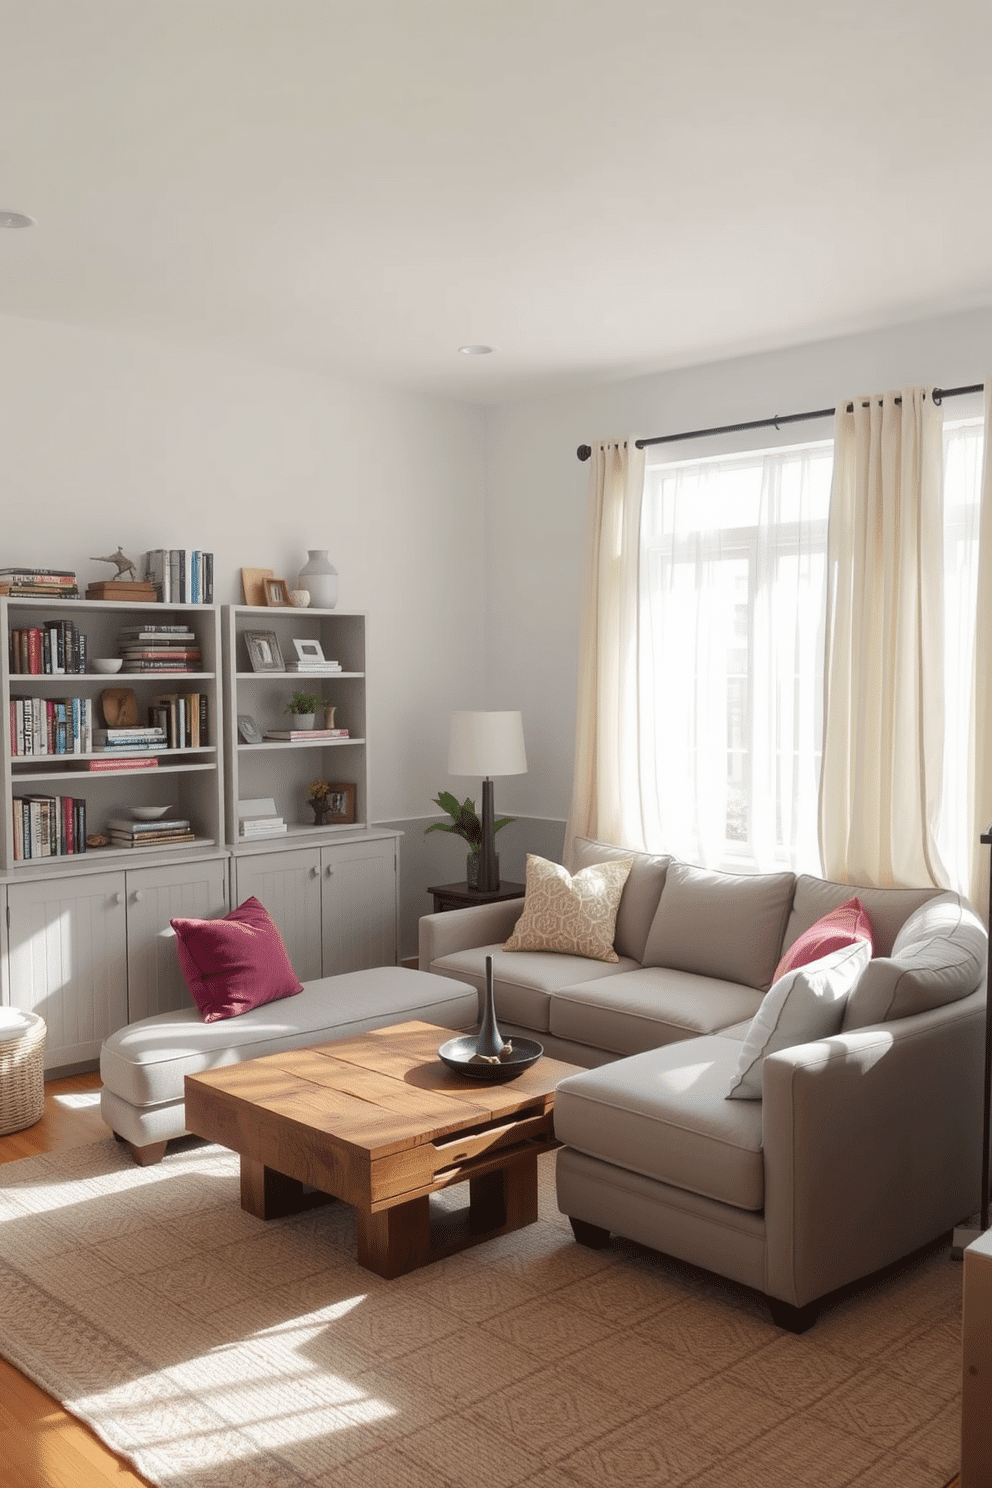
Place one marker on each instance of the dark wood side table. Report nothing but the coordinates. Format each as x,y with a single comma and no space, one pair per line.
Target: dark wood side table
458,895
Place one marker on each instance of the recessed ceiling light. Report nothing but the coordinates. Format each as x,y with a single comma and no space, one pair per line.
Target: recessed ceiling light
476,350
15,219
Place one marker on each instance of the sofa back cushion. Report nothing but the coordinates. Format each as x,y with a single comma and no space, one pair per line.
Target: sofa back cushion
887,909
641,892
726,925
937,957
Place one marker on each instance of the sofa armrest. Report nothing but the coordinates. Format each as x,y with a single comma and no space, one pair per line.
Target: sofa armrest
872,1144
464,929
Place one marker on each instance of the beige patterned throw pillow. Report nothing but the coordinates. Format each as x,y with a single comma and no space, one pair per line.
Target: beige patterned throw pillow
573,916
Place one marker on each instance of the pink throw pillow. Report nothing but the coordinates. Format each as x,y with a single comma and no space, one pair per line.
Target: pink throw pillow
841,927
235,963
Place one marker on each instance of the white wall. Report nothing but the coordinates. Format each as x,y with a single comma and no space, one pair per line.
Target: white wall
107,440
537,493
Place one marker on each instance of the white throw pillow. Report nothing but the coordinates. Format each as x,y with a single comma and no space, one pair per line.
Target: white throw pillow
807,1003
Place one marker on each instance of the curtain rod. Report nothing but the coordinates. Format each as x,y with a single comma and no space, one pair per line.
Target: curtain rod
584,451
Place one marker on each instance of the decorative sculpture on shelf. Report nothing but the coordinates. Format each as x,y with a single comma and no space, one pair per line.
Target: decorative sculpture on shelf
124,565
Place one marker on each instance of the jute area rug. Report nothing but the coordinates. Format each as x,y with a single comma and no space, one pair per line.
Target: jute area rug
218,1351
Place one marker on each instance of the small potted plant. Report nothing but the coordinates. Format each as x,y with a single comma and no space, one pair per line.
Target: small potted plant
317,793
465,823
304,707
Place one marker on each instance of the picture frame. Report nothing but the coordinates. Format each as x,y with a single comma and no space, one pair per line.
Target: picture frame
252,583
276,593
307,650
248,729
340,804
263,651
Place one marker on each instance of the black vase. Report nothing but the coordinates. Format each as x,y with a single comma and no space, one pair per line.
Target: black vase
489,1041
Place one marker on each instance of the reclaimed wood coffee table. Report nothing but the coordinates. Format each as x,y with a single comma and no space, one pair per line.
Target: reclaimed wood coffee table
378,1121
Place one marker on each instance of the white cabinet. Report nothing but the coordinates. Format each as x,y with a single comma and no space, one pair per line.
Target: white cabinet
196,890
288,884
336,906
90,952
67,953
359,905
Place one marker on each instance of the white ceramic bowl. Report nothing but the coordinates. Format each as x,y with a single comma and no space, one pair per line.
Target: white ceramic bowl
148,813
107,664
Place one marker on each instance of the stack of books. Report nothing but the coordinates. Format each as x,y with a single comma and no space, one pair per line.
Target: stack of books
258,819
147,740
131,591
162,833
159,648
314,668
306,734
54,648
39,583
181,575
48,826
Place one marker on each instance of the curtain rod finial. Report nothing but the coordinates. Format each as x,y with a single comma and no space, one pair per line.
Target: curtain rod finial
584,451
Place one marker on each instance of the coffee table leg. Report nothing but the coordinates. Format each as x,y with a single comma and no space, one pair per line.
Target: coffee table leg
271,1195
505,1200
395,1240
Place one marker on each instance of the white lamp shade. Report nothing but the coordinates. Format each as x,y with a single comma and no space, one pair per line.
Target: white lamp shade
487,744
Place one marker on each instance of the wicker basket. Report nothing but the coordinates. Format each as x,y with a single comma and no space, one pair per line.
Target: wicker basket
22,1069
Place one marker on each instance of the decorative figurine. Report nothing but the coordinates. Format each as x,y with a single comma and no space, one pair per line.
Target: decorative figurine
124,564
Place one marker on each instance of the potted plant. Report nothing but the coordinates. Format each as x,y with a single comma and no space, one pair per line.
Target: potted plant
304,706
317,793
465,823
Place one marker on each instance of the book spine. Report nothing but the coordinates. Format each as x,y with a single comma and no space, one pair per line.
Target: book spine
209,557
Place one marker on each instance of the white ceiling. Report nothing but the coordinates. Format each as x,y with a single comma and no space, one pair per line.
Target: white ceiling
597,188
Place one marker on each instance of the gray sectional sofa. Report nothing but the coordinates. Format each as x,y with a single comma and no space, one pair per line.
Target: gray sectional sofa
864,1146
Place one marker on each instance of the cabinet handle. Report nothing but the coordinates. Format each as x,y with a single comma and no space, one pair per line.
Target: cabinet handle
118,898
314,872
330,872
138,896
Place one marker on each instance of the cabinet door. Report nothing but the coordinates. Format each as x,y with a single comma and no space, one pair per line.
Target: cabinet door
155,896
288,884
359,905
68,960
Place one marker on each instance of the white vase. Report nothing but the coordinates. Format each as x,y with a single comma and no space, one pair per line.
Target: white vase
320,578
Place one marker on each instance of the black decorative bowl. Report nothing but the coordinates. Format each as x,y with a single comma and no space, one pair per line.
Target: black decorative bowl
457,1054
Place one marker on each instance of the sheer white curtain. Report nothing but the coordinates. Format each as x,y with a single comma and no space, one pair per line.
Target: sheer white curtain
605,788
883,728
730,640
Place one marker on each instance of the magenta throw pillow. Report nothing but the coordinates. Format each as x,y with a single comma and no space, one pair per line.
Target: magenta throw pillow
235,963
841,927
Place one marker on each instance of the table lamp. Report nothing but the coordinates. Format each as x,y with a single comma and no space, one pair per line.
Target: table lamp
487,744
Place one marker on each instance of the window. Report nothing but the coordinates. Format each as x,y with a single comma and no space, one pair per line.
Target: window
731,652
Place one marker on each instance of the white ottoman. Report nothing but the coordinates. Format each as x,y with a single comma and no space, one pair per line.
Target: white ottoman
144,1065
22,1069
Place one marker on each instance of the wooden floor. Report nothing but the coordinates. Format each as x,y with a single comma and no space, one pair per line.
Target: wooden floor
40,1445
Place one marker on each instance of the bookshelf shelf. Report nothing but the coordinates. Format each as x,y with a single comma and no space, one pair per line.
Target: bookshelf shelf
189,780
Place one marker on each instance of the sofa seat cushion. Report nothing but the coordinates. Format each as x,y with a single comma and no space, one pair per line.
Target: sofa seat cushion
146,1062
525,981
724,925
648,1006
664,1114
